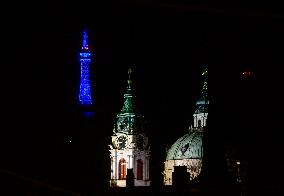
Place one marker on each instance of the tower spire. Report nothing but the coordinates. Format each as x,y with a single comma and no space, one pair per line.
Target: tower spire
205,81
128,105
201,111
85,41
129,77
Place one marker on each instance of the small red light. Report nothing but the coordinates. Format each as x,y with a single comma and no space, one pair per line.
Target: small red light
247,73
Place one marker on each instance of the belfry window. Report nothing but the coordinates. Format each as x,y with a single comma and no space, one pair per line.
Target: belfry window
139,169
122,169
199,123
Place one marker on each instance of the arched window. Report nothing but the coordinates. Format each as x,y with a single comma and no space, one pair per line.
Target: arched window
139,169
199,123
122,169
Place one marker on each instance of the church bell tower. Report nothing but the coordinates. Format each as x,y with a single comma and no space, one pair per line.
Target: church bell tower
129,151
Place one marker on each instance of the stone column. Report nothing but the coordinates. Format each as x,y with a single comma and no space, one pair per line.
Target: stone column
134,165
111,167
147,167
115,166
129,162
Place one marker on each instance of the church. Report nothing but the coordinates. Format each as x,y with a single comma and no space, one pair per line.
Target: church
129,151
188,149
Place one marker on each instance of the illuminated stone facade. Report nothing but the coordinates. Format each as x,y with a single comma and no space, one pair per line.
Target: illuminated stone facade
193,168
129,148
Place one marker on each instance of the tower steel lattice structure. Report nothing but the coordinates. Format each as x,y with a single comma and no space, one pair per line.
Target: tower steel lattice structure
85,94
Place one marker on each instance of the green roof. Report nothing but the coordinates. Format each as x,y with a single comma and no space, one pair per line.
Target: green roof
128,104
188,146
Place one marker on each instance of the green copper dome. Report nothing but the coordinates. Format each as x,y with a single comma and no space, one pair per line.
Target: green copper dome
201,105
188,146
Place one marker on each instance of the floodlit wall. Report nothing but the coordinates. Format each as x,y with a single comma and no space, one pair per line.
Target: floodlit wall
193,167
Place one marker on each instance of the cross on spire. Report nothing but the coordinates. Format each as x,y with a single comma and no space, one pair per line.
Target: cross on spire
129,77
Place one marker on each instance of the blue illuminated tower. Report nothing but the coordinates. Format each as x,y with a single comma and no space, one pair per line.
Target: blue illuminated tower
85,94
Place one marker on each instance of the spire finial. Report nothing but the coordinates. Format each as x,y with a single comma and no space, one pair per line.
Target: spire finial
129,72
85,41
205,76
129,77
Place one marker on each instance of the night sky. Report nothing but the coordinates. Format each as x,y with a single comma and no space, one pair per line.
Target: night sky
167,43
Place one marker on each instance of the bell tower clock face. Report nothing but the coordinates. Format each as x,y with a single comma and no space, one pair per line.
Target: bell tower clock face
121,142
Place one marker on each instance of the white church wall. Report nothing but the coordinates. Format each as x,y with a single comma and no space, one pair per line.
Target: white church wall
193,168
202,117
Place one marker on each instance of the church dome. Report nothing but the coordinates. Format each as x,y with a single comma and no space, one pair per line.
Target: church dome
188,150
188,146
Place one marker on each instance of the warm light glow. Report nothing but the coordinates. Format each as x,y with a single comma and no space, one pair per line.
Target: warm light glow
193,168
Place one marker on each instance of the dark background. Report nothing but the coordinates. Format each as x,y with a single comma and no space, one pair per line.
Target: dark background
168,42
